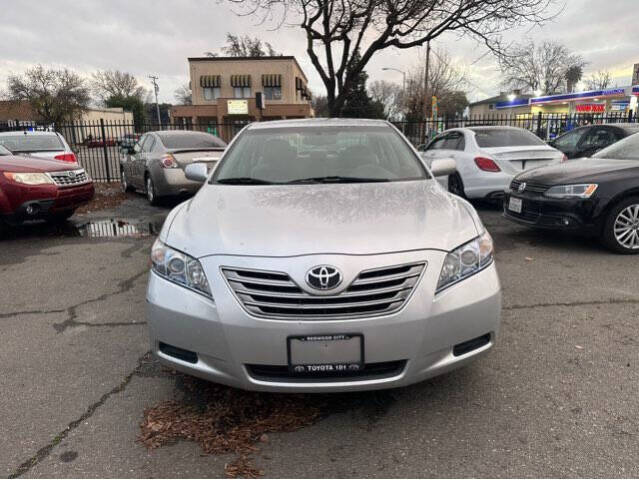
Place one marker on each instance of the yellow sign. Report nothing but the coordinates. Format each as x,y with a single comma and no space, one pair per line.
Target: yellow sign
237,107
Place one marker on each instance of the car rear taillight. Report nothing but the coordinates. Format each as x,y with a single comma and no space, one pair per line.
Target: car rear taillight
168,161
67,157
487,164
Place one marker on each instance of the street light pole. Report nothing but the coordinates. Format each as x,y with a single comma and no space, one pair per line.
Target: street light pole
403,87
157,89
426,73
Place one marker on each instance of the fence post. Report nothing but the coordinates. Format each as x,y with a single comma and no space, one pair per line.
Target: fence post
539,124
105,150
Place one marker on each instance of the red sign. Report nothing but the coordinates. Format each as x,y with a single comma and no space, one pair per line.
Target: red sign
591,108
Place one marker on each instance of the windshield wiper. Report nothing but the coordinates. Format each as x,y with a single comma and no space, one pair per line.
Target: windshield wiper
243,181
338,179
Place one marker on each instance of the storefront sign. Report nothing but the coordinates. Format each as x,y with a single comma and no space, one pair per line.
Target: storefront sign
609,92
518,102
237,107
635,90
591,108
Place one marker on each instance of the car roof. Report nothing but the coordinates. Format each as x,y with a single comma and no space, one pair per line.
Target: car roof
319,122
27,132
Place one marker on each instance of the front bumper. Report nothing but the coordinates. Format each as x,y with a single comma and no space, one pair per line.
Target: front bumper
41,201
554,214
226,344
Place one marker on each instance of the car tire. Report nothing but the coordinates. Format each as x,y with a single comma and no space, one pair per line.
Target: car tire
151,194
124,181
456,185
621,228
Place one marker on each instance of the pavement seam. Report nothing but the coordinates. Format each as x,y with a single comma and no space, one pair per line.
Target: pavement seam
45,451
613,301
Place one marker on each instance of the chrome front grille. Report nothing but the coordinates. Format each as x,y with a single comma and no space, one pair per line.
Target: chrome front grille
276,295
69,177
530,187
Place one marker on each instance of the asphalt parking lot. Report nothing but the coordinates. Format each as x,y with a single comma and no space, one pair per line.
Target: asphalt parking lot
557,397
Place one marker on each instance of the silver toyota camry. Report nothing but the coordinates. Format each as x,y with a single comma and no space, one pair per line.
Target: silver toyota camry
322,255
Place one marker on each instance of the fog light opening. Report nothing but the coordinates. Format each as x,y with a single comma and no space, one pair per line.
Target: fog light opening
179,353
33,209
474,344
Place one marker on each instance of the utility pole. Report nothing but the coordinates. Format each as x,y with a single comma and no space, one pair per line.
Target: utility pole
426,73
157,89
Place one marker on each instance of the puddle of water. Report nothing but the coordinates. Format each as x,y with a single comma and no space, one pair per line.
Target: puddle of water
114,228
93,229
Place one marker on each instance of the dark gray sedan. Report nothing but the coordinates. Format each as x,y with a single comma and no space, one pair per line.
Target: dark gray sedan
155,164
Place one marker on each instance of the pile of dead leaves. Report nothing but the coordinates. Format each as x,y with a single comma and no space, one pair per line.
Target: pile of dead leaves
107,196
225,420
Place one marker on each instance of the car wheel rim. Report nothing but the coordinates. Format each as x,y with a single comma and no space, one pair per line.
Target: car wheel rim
149,189
626,227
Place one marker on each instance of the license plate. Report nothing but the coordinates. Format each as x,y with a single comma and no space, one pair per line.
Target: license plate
318,354
514,204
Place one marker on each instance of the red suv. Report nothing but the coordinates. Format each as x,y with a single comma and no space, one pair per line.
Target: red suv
33,188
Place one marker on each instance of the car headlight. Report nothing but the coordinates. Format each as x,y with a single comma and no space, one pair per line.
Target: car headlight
465,261
29,178
180,268
585,190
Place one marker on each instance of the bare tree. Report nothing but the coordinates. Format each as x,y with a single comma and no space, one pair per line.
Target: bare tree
446,81
336,29
390,95
183,95
598,81
55,95
110,84
548,67
245,46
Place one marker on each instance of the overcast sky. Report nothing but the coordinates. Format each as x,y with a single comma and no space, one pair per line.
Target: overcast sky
156,37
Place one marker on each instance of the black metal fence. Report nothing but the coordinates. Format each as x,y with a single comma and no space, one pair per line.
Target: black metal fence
545,125
100,145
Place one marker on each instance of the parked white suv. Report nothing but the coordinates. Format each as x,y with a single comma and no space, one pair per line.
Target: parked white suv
50,145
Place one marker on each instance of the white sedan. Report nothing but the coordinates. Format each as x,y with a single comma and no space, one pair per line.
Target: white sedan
489,157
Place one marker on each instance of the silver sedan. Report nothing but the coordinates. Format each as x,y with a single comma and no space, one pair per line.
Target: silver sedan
155,164
322,255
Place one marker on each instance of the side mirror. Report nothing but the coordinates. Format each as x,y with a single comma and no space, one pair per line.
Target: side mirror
196,172
443,166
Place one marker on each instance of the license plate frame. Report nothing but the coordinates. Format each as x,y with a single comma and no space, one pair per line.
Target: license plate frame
515,204
318,368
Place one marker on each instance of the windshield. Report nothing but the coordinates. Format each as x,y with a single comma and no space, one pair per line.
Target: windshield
626,149
176,141
505,137
319,155
31,143
4,151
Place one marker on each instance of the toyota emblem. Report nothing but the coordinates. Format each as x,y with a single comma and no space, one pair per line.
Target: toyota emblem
522,187
71,175
324,277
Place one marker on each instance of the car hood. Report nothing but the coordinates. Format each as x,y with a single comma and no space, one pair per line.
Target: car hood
295,220
580,170
29,164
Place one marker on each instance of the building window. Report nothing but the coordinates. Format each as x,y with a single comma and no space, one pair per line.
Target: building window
212,93
241,92
273,93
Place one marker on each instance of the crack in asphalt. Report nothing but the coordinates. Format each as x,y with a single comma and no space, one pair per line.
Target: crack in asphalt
45,451
123,287
613,301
